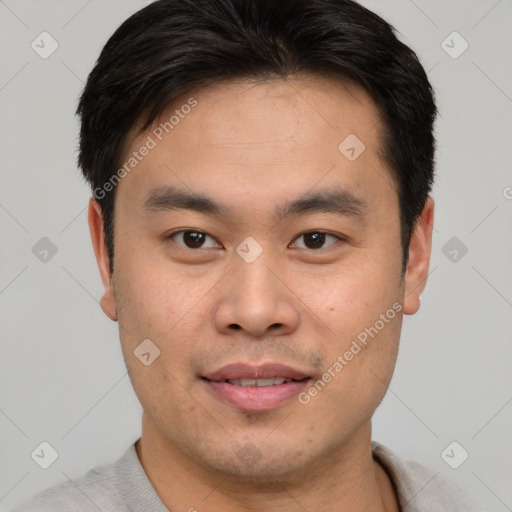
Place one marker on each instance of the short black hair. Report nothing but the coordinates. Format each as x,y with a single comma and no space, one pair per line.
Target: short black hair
172,47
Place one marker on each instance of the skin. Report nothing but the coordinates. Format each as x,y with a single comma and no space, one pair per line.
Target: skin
252,146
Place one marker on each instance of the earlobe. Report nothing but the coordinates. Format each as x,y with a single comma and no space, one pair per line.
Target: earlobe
96,228
108,304
419,258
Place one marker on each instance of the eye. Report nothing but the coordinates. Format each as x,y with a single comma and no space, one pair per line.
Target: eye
316,239
192,239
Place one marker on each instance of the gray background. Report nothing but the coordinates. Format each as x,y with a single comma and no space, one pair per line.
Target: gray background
62,377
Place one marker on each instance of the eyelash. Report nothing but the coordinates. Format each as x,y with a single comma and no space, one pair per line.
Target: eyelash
172,235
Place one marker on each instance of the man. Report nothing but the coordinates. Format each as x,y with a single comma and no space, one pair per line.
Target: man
261,220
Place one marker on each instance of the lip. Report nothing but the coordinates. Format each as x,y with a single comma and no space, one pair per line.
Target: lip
264,371
255,399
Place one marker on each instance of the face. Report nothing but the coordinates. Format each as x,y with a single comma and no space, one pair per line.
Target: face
257,247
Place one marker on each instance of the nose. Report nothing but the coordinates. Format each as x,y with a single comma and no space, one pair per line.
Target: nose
257,300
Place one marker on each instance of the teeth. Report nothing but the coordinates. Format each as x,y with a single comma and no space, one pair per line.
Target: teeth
259,383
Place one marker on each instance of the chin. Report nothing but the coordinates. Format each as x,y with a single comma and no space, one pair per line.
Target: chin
264,466
263,475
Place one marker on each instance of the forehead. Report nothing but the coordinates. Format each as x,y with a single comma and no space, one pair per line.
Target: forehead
258,110
279,111
275,133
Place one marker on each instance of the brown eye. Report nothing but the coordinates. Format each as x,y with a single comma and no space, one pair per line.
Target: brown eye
316,239
192,239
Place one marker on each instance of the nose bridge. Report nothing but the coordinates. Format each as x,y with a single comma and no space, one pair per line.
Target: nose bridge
256,284
255,299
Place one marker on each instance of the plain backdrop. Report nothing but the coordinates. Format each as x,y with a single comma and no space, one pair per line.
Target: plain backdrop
62,376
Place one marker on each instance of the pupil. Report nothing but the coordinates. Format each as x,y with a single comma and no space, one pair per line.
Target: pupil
193,238
318,240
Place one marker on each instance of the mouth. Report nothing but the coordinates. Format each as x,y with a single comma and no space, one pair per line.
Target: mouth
255,388
259,383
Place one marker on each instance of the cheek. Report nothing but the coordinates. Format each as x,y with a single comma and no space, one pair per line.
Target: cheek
363,312
151,299
162,395
164,308
353,298
359,364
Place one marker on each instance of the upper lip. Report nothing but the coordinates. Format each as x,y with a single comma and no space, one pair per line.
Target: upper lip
246,371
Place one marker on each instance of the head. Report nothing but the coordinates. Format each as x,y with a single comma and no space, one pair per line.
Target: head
261,175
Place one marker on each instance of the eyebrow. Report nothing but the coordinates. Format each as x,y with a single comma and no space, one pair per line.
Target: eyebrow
338,201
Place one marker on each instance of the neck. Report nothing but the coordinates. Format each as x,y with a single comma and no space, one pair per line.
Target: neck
349,480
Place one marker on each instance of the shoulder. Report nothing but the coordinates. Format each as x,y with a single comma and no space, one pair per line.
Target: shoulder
96,490
418,487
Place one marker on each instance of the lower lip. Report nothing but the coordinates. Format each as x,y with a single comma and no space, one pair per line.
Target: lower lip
254,398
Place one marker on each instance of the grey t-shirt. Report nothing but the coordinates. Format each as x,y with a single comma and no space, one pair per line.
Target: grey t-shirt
123,486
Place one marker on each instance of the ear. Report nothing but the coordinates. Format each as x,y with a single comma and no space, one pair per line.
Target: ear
96,227
419,259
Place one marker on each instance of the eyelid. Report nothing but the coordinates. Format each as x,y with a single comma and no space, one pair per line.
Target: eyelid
171,236
339,237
